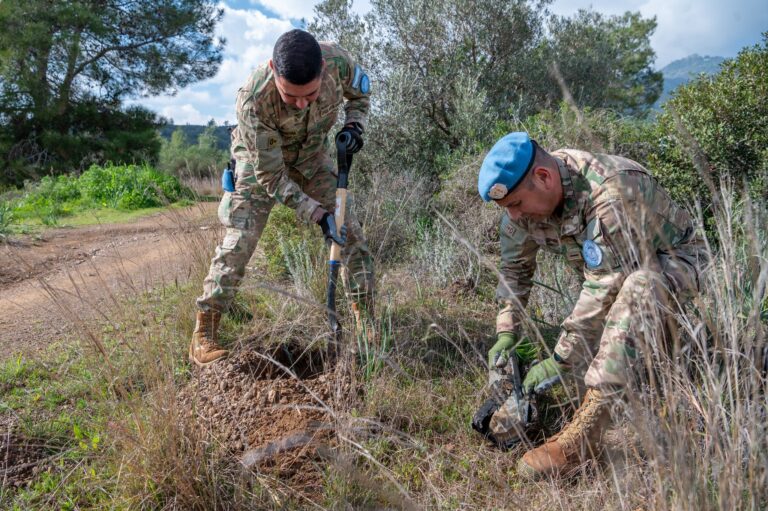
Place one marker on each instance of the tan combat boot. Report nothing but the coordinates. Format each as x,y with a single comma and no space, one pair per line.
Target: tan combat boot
204,349
577,442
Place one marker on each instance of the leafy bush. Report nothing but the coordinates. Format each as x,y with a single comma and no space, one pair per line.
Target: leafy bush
114,186
6,217
283,231
94,133
49,199
718,123
130,187
180,158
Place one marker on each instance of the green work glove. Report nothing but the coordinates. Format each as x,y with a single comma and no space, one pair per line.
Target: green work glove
505,343
543,375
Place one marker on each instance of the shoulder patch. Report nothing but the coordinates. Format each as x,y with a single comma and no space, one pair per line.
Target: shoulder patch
592,254
360,80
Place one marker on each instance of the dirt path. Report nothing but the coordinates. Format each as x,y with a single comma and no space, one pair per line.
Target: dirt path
48,280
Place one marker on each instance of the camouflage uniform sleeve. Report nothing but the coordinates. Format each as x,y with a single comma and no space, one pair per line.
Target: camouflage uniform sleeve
259,155
618,228
358,102
518,264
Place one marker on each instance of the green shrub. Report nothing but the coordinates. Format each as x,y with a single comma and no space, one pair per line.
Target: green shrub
114,186
717,123
49,199
130,187
283,230
6,217
180,158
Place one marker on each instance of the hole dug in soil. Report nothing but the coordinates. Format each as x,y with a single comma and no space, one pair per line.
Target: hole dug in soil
271,419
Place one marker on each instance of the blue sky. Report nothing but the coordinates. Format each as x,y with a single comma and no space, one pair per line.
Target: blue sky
706,27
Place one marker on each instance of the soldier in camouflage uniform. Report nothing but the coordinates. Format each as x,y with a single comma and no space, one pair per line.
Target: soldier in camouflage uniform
638,252
282,153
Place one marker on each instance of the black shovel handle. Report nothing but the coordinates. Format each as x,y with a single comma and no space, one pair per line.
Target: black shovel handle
344,162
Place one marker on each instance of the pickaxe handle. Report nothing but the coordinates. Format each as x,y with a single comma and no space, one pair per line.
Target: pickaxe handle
344,162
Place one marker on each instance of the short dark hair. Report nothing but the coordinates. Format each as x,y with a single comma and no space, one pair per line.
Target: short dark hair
297,57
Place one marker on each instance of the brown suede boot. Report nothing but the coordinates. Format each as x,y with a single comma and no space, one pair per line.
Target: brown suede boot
204,349
577,442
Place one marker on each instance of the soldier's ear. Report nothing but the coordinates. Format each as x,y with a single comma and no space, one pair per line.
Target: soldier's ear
542,177
271,65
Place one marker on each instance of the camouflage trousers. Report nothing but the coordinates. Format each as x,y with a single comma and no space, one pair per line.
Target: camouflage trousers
640,319
244,213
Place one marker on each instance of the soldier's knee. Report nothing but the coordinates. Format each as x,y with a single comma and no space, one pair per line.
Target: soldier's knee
641,284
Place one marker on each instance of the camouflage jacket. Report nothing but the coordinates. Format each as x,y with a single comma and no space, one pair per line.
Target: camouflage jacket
273,137
615,218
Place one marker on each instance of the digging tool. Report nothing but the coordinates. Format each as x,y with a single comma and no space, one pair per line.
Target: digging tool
508,416
344,162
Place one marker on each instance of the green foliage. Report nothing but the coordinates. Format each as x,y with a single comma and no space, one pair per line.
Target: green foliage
596,130
283,230
126,187
446,72
605,61
49,199
6,217
65,67
204,159
130,187
717,124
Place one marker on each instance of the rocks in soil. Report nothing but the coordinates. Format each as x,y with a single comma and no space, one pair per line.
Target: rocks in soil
244,404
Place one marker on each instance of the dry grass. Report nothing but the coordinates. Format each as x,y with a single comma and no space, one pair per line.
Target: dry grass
692,437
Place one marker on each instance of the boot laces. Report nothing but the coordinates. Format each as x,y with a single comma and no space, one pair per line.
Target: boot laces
586,424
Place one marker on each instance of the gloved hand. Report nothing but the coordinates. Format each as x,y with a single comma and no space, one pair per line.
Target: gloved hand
355,139
543,375
328,224
505,343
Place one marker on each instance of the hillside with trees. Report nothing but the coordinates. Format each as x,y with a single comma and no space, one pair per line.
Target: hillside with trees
684,70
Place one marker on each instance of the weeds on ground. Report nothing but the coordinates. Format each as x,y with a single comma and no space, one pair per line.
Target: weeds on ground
685,439
121,187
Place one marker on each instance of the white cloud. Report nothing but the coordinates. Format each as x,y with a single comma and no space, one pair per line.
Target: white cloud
293,9
706,27
184,114
250,37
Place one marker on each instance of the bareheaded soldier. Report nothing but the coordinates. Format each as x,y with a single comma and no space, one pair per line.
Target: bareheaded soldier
284,113
638,252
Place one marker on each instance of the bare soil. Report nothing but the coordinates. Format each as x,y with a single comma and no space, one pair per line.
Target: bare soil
273,410
50,283
270,409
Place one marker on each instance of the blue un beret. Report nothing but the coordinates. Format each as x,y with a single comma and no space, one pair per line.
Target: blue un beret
506,164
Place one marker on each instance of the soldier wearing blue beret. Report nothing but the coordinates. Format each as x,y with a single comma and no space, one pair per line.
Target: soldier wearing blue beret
638,253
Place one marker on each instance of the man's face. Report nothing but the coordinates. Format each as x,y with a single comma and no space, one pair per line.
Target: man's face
299,96
536,198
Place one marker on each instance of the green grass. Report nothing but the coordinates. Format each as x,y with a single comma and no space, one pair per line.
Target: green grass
96,195
408,442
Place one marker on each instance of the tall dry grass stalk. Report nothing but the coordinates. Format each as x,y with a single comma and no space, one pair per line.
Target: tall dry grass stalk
692,436
705,432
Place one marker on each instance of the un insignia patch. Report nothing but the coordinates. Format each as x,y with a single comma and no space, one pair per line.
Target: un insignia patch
592,254
498,191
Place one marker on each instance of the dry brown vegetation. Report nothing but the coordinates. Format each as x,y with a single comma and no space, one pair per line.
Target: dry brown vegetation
394,433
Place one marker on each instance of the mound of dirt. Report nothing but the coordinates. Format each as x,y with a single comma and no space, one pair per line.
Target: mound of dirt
272,410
